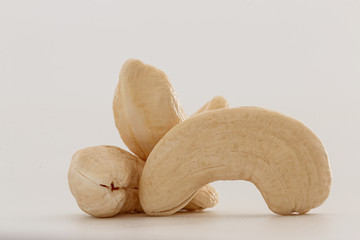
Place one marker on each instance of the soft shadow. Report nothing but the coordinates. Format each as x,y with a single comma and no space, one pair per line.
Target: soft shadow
197,218
182,218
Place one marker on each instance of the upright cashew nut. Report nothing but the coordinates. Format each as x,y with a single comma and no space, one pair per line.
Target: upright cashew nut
282,157
146,107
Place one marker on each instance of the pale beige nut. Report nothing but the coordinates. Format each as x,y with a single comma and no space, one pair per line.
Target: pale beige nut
104,180
146,107
281,156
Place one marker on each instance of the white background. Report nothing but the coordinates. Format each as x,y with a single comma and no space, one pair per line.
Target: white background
59,63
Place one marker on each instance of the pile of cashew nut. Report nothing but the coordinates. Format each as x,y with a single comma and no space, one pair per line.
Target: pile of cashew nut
176,156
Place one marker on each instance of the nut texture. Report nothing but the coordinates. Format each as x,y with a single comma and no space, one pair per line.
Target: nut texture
281,156
104,180
146,107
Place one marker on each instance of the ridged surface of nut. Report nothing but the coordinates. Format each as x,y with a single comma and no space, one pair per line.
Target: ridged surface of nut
104,180
281,156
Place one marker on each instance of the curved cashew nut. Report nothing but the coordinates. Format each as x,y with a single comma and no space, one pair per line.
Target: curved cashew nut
281,156
146,107
104,180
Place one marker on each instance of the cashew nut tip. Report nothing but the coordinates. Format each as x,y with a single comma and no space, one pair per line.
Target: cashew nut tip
282,157
216,102
104,180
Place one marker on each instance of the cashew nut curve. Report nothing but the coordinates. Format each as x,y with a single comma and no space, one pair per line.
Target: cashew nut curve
281,156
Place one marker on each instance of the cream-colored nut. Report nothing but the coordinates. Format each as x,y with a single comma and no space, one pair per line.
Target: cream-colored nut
104,180
146,107
281,156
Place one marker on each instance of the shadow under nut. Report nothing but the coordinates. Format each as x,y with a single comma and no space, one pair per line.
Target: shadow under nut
281,156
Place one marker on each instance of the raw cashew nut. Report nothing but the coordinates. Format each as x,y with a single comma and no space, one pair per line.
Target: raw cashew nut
104,180
281,156
146,107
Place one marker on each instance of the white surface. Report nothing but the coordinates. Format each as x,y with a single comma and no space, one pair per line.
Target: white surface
59,62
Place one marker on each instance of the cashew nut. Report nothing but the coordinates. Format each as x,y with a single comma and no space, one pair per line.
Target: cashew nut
281,156
146,107
104,180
